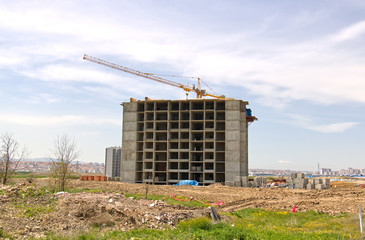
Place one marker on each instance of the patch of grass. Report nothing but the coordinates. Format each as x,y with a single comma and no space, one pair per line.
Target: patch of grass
4,235
33,211
166,199
33,202
78,190
31,191
246,224
195,224
27,174
299,225
75,176
186,203
200,228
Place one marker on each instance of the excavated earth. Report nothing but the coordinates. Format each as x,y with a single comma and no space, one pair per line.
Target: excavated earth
331,201
27,212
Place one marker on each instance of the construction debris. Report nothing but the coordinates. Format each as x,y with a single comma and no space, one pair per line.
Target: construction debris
214,214
42,212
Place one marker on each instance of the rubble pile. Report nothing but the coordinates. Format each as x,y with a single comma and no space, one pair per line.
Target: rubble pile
29,212
115,211
10,191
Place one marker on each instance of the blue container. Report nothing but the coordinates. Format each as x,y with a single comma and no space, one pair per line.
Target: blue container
248,112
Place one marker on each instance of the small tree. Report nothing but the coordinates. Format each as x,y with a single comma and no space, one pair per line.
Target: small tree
11,155
64,152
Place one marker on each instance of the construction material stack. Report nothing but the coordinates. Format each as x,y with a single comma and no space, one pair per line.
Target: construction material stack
298,180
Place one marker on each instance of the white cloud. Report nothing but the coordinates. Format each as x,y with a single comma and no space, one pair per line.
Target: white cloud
333,128
279,73
284,162
43,98
305,122
91,133
351,32
59,72
36,120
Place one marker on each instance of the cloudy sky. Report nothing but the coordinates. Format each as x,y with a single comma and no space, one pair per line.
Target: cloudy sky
300,64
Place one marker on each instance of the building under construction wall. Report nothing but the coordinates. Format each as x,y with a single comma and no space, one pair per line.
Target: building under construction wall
165,141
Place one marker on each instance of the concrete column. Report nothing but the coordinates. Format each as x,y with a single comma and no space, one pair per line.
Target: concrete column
129,137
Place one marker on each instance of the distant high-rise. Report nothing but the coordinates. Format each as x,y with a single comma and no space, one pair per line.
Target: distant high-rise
325,171
112,161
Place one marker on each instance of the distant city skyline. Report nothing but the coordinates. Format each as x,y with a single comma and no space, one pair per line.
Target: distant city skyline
43,166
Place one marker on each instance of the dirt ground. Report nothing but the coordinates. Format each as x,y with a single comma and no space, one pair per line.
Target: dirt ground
331,201
75,212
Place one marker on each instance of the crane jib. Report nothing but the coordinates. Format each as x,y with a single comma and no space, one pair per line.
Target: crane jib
200,93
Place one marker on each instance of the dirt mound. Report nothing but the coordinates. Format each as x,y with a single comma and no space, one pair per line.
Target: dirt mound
116,211
29,211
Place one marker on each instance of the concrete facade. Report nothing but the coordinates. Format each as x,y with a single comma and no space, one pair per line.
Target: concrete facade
165,141
112,161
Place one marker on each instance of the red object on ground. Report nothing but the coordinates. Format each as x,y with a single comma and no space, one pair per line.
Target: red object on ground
293,210
172,196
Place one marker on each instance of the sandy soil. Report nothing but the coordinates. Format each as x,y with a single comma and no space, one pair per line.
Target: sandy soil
331,201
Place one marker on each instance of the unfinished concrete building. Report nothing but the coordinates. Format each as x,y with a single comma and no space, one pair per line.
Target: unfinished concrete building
165,141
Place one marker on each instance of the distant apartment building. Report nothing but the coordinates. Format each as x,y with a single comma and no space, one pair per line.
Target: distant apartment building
112,161
325,171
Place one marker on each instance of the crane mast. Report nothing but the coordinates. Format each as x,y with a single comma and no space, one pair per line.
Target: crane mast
199,92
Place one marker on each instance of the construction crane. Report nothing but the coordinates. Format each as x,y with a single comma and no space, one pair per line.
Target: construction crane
199,92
